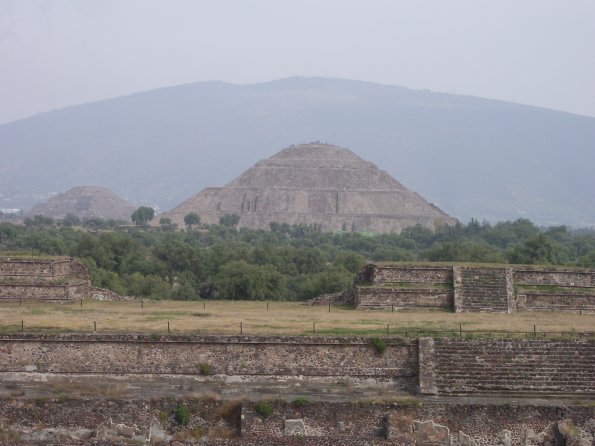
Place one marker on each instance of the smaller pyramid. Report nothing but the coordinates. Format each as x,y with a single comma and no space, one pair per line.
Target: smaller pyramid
85,202
321,185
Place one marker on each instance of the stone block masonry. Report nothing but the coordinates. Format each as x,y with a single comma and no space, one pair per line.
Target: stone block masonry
224,423
53,279
488,288
227,355
27,268
437,365
52,292
459,366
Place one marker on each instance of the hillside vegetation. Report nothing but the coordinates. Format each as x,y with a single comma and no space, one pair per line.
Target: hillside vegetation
285,263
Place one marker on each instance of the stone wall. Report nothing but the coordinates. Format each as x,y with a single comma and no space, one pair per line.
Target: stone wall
408,423
554,289
557,301
55,279
444,366
228,355
404,287
475,288
32,267
415,422
459,366
406,273
558,276
383,297
67,291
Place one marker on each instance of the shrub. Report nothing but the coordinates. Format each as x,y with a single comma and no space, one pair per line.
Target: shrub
182,415
263,408
379,344
205,369
300,401
163,417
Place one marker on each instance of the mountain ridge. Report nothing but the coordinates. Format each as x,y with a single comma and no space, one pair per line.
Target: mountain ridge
474,157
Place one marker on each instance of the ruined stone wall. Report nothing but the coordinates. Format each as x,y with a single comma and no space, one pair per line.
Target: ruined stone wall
443,365
476,288
229,355
460,366
50,268
558,301
415,422
67,291
383,297
405,273
54,279
558,276
409,422
555,289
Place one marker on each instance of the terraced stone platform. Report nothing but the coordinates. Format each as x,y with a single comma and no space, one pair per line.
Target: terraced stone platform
475,288
504,366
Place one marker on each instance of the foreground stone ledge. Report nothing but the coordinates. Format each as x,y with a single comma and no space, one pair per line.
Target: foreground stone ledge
408,422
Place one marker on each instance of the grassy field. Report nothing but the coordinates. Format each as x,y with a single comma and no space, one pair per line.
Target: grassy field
289,318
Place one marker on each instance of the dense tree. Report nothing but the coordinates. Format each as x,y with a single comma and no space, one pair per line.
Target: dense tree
287,262
39,221
166,224
191,219
240,280
229,220
71,220
143,215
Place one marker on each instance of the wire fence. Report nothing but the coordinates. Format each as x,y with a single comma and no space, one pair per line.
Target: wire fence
302,327
313,329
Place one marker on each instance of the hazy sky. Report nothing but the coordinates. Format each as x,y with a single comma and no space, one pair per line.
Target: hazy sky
55,53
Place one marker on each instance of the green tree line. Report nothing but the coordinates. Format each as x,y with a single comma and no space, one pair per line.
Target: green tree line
287,262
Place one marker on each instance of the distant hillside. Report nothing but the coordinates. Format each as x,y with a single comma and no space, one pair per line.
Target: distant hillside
472,157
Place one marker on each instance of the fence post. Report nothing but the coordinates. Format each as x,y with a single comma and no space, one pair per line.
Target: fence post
329,307
393,308
168,326
142,304
204,304
460,330
267,306
94,325
22,325
534,331
241,327
20,302
313,327
81,302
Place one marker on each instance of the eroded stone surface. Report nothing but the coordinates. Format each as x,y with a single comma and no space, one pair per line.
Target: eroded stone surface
295,428
428,433
466,440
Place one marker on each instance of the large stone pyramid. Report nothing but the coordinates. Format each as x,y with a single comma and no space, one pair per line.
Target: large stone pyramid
321,185
85,202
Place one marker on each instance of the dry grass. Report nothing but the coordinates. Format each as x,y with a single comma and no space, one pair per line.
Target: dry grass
289,318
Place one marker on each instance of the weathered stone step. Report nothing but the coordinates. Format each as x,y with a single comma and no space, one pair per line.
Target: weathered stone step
543,376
